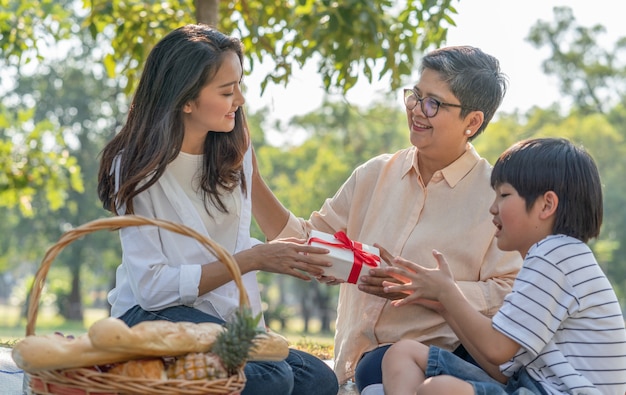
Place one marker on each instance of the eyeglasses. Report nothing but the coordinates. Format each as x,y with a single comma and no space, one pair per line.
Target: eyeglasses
429,106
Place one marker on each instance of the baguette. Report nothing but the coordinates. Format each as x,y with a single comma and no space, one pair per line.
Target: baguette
51,352
154,338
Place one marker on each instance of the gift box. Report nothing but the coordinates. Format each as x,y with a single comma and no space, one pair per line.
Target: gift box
350,259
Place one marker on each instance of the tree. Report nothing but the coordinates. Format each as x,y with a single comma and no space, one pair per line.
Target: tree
344,38
593,77
33,156
27,163
289,33
73,94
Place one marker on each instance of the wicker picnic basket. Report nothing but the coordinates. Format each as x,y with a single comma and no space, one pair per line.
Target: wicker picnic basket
90,381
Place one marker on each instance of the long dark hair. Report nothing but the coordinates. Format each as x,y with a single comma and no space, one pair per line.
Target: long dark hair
176,69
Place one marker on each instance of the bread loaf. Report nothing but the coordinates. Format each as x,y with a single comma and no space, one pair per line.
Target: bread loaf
269,346
110,340
141,368
47,352
154,338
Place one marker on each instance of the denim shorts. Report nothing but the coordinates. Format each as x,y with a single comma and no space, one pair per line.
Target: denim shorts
442,362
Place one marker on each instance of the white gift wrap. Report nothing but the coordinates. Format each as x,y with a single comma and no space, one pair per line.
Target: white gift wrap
342,258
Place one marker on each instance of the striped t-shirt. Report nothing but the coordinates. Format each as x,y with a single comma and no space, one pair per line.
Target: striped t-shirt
564,314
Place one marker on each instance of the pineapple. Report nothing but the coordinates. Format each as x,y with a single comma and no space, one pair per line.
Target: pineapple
197,366
228,354
233,345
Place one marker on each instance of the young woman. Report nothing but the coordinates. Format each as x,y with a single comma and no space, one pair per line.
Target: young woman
184,155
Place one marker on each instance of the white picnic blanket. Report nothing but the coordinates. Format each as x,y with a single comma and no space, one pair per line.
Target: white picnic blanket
11,377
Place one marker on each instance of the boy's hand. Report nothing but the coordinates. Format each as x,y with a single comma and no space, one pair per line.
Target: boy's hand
422,285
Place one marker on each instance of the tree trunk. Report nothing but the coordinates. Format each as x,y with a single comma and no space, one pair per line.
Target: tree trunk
207,11
307,303
282,291
306,313
325,315
75,300
323,298
70,303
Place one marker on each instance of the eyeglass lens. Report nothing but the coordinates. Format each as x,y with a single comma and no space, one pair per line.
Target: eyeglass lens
428,105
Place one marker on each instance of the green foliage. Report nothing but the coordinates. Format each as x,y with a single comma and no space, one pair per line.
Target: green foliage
33,154
71,108
33,157
593,77
290,33
341,137
26,25
345,38
386,37
132,28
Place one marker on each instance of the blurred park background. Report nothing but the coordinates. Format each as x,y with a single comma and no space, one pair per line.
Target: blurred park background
68,68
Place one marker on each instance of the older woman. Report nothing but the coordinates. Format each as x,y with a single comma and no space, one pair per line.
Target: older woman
433,195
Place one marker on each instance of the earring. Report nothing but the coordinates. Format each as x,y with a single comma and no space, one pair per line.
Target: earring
468,132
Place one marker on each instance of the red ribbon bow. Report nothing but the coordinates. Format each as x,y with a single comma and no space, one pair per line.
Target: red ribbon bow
360,257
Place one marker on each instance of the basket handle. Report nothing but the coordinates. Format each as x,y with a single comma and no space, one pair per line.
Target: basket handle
114,223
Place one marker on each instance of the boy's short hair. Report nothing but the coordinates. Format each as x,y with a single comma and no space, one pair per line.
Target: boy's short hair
536,166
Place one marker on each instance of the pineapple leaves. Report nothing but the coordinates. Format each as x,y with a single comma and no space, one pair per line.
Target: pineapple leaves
234,344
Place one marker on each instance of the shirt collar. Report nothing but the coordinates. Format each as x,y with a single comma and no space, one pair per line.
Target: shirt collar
410,162
454,172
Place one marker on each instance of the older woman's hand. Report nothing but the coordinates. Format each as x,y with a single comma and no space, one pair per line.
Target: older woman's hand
422,286
329,280
373,282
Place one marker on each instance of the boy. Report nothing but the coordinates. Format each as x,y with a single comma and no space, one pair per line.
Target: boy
561,329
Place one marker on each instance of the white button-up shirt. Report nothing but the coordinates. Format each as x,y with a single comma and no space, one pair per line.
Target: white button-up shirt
162,269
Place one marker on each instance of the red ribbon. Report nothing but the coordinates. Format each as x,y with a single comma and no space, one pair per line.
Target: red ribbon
360,257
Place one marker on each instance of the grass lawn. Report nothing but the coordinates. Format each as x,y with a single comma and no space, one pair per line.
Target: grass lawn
12,329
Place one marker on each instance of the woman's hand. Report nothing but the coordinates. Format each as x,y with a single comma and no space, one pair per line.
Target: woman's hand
329,280
373,283
286,256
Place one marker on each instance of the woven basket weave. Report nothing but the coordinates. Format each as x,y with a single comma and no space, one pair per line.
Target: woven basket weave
88,380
